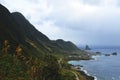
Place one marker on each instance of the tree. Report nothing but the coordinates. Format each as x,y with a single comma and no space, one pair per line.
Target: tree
18,50
6,46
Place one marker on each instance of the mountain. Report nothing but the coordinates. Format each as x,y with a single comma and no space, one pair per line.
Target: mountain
19,31
27,54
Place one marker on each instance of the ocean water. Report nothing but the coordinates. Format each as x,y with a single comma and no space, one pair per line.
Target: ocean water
103,67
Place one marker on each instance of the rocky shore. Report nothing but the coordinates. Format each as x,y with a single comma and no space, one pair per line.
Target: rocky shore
79,68
86,75
82,72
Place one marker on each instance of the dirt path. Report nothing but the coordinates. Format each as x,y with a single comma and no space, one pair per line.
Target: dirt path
77,78
59,62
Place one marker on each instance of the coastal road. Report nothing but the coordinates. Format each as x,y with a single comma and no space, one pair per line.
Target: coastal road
77,78
59,62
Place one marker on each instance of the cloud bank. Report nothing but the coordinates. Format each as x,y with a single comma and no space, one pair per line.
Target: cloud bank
93,22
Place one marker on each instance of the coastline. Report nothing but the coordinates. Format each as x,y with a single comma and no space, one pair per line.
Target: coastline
79,68
87,74
84,73
99,57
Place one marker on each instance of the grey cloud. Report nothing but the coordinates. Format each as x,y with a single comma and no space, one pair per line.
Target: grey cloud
103,31
33,1
98,28
91,2
118,3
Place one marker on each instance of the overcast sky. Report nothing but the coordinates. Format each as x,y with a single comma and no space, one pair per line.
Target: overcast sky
92,22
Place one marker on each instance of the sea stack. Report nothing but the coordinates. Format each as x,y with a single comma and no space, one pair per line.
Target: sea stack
87,47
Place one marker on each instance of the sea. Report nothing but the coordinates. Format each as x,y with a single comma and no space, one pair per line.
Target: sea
102,67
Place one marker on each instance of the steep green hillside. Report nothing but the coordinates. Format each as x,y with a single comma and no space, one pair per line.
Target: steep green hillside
15,28
27,54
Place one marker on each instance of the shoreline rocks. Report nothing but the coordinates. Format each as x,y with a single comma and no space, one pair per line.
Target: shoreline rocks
107,54
82,72
88,77
114,53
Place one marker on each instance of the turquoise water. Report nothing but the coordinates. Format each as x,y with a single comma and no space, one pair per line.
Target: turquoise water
103,67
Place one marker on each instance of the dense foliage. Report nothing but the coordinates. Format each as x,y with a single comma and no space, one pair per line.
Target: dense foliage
27,54
18,66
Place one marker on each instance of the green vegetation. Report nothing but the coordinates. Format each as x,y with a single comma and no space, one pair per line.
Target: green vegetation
18,66
68,75
27,54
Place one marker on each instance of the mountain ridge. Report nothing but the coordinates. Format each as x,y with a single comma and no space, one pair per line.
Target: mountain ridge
27,54
18,30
